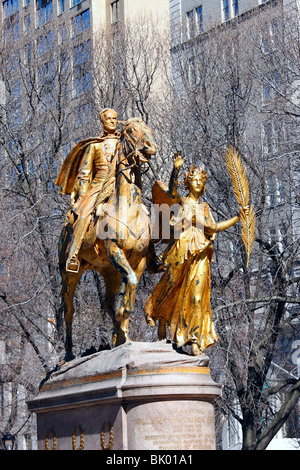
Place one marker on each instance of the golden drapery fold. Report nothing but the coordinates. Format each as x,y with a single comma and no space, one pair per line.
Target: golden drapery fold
69,170
70,167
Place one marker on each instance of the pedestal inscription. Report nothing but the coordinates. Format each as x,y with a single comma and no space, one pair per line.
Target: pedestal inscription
167,425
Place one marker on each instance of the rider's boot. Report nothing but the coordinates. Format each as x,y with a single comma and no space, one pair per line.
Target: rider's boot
73,264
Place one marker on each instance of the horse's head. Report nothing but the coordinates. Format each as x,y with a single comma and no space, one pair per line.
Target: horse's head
139,138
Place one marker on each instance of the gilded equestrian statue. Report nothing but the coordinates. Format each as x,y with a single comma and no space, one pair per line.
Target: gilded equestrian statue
117,242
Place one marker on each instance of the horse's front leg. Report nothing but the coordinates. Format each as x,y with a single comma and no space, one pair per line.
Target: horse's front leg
123,313
119,260
129,280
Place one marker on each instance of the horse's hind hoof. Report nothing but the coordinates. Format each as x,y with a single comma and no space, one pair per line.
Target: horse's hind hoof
68,358
120,337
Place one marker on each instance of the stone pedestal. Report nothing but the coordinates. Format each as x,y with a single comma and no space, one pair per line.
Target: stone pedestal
138,396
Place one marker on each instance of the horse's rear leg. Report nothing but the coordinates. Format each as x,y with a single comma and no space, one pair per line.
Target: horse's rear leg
114,289
70,282
129,300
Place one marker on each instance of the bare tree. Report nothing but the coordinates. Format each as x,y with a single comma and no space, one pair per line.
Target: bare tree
50,97
52,90
243,95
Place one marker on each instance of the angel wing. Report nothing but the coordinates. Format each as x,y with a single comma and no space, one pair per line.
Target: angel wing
161,198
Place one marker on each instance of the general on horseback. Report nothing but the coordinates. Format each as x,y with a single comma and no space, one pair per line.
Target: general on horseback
102,175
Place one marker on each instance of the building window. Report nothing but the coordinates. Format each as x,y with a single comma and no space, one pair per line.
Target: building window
14,105
82,53
276,193
82,74
199,18
63,33
266,90
271,86
62,6
115,11
26,2
15,91
46,81
225,10
235,7
81,22
82,81
10,7
190,24
191,71
277,81
27,23
12,32
75,2
269,144
45,43
194,22
28,53
44,11
83,114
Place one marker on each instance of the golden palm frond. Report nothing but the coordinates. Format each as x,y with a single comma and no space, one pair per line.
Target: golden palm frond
241,193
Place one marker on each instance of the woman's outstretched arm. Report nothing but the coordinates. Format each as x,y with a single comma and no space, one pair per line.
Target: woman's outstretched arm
230,222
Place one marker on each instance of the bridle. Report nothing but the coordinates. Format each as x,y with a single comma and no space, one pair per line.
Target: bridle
135,154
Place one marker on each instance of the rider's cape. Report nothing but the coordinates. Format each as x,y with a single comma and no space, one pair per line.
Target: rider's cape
69,170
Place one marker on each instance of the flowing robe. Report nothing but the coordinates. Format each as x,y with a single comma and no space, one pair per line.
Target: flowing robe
182,296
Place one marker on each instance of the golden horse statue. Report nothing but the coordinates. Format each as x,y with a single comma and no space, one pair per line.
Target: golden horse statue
118,241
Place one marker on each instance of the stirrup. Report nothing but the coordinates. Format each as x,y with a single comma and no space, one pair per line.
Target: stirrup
73,265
